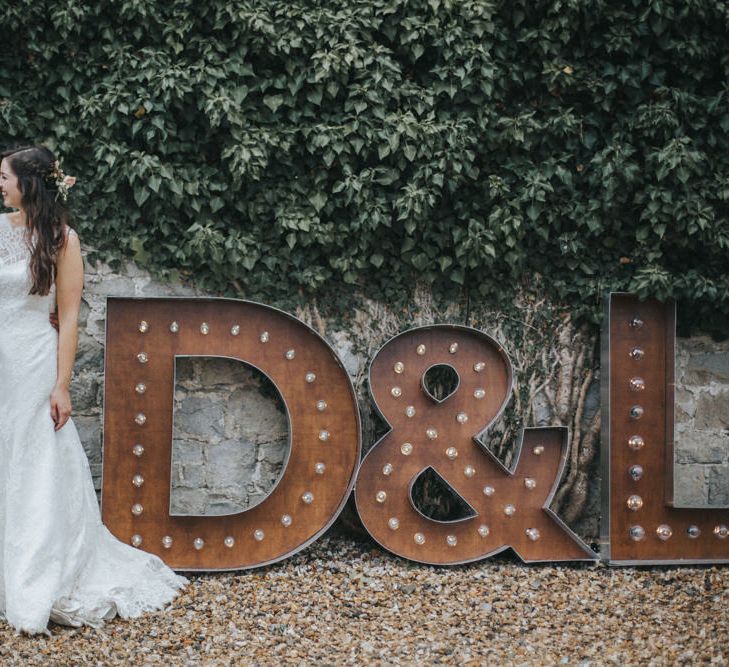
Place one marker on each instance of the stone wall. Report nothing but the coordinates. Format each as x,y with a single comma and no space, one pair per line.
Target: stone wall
231,440
701,472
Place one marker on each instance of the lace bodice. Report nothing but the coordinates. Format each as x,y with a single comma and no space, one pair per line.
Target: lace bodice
15,279
13,246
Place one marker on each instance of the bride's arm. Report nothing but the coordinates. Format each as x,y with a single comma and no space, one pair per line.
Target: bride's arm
69,285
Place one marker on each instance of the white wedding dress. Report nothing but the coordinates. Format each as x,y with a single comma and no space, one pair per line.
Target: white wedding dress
57,560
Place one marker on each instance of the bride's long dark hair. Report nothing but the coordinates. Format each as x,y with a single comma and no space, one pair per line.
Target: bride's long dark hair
35,167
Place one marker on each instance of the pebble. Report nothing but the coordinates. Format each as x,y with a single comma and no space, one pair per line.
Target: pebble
345,602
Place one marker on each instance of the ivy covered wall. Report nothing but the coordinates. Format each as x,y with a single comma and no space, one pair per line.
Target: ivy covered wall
276,150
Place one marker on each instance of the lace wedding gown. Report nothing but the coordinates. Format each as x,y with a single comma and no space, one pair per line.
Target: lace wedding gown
57,560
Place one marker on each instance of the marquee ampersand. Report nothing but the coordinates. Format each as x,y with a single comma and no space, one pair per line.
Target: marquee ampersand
143,338
510,506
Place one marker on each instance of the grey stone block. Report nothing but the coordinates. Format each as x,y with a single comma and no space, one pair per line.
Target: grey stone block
690,487
253,417
229,463
189,476
719,486
703,368
89,432
85,391
694,446
685,405
200,416
187,501
712,409
90,355
186,452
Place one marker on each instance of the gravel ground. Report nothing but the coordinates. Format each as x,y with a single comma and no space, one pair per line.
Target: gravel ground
347,602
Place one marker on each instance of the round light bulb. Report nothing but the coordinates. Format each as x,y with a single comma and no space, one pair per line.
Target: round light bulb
664,531
636,442
637,533
634,503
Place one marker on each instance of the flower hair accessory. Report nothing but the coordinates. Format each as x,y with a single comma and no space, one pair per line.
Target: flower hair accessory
62,182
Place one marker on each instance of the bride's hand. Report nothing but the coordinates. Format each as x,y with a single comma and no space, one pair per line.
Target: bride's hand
60,406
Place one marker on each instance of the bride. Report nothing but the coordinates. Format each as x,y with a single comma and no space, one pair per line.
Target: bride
57,560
